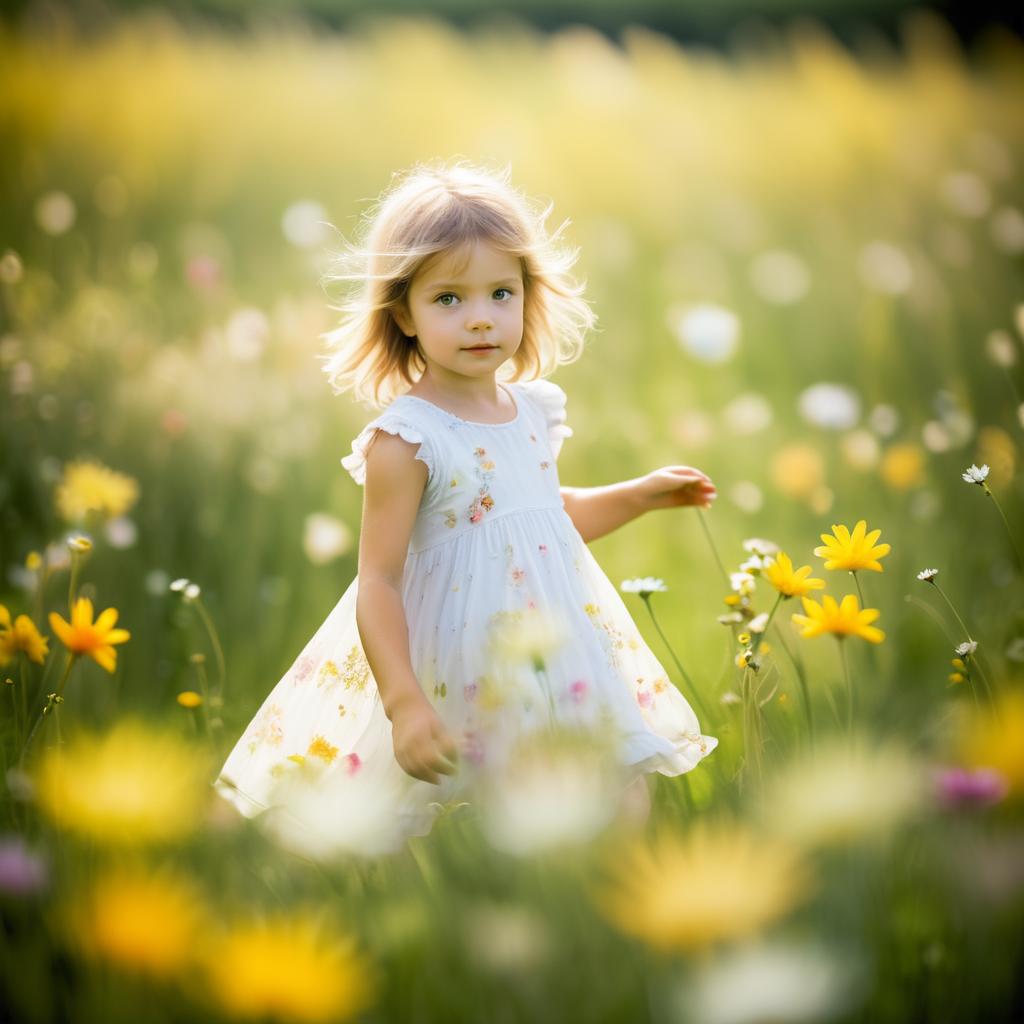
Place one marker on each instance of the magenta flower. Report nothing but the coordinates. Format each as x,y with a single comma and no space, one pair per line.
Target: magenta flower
21,871
578,691
958,787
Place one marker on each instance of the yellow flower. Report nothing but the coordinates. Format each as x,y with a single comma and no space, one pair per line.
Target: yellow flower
291,967
845,619
716,883
190,699
789,581
844,550
320,747
83,636
902,466
995,739
89,486
20,635
956,677
139,919
131,785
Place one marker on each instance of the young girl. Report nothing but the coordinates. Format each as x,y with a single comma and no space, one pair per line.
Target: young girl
466,305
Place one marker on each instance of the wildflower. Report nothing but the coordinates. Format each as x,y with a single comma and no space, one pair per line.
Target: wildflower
113,920
22,872
743,638
995,740
959,788
788,581
644,586
759,623
759,546
130,785
189,699
714,884
731,619
956,677
756,564
20,635
83,636
179,584
291,966
843,619
966,649
79,543
191,593
742,583
843,550
976,475
528,636
927,575
89,486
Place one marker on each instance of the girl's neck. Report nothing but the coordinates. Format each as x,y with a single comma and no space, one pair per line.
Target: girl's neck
481,399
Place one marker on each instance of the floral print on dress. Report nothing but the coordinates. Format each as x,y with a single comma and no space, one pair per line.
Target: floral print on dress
268,728
483,502
320,747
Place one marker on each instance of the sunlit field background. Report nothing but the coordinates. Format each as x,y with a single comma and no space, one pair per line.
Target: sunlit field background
806,265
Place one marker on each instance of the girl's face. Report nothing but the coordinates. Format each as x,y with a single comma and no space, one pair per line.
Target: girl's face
467,323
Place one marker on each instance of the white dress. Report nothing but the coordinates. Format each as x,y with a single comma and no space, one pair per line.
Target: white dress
491,539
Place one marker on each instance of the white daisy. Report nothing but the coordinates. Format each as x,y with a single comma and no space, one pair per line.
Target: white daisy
967,648
976,474
760,546
644,586
927,575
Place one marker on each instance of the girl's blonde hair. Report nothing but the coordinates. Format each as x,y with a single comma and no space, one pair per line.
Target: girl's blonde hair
432,209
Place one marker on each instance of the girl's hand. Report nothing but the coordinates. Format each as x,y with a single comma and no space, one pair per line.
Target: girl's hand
423,746
676,486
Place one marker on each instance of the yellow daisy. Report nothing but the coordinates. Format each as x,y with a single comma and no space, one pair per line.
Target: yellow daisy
843,550
845,619
788,581
20,635
716,883
89,486
113,920
83,636
290,967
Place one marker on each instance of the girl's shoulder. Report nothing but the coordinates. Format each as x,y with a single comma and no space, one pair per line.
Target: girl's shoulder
551,401
405,417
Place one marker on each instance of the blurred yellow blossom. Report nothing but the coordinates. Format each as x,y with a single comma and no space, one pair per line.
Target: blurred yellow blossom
133,784
190,699
20,635
89,486
142,919
715,883
845,619
83,636
293,967
843,550
997,450
798,470
902,466
788,581
994,739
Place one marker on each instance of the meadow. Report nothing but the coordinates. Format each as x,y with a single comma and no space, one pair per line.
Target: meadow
806,266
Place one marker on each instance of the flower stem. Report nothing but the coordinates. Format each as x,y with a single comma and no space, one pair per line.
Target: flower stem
849,685
860,593
682,671
711,543
51,702
1009,532
215,641
956,614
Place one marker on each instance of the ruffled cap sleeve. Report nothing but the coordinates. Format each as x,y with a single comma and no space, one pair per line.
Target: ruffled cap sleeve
551,399
392,423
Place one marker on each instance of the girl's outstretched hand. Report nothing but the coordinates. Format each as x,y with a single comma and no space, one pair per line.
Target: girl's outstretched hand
423,746
677,486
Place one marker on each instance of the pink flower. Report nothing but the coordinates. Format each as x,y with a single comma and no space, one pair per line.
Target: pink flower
475,516
354,763
578,690
960,788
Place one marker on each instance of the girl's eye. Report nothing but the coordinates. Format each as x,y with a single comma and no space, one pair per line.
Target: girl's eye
447,295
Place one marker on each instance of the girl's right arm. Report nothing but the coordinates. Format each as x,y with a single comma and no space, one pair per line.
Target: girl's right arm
394,484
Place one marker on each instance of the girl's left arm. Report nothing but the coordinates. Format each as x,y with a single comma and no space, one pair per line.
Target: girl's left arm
596,511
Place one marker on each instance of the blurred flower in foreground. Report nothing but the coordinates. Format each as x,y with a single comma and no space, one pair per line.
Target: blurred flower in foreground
959,788
133,784
788,581
844,619
326,810
845,792
994,739
554,790
20,635
325,538
714,883
89,486
776,981
293,967
22,872
843,550
142,919
83,636
526,636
